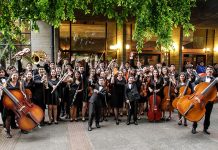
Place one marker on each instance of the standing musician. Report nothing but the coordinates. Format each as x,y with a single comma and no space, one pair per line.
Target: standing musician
118,95
132,96
39,95
95,103
167,78
54,98
84,76
181,82
75,95
13,84
3,80
209,106
156,78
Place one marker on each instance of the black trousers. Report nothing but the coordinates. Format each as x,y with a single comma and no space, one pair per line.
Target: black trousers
209,107
94,111
132,111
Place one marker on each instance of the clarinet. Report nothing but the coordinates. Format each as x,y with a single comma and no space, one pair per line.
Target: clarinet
74,97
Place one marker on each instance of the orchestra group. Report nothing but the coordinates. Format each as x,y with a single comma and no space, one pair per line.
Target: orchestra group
81,90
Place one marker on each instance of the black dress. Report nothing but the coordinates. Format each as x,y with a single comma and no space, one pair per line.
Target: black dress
53,98
79,96
118,93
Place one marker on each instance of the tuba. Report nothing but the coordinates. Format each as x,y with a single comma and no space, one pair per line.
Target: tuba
38,56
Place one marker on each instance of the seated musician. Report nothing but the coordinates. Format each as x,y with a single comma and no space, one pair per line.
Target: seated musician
209,106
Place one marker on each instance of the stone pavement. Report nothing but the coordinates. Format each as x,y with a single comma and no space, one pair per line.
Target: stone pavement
146,136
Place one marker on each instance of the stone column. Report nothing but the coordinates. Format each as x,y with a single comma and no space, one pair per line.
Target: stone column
41,40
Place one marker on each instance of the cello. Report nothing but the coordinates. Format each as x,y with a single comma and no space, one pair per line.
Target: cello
28,115
154,113
192,107
184,90
166,102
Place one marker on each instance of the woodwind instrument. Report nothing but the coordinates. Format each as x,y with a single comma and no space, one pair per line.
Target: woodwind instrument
63,78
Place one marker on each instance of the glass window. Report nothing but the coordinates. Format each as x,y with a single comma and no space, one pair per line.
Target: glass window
64,36
88,37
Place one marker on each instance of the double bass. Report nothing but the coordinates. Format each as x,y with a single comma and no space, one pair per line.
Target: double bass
154,113
192,107
28,115
184,90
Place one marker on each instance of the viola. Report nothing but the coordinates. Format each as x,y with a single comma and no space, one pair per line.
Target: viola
154,113
184,90
192,107
28,115
166,102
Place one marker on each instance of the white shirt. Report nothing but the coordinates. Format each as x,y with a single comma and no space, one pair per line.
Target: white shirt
130,86
208,79
100,88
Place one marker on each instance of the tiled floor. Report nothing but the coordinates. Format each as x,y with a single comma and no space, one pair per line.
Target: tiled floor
74,136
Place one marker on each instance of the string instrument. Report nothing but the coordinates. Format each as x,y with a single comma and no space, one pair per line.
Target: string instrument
192,107
154,113
184,90
26,91
202,74
166,102
144,89
28,115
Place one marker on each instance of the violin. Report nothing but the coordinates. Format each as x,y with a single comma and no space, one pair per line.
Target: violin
144,89
154,113
184,90
28,115
192,107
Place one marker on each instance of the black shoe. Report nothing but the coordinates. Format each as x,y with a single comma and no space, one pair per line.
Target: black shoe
136,123
89,128
105,119
185,124
127,123
206,132
117,122
194,131
56,122
97,125
14,127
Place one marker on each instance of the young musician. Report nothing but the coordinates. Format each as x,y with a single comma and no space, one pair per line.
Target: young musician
39,95
3,80
53,98
132,96
13,84
182,82
76,95
157,80
209,106
95,103
118,95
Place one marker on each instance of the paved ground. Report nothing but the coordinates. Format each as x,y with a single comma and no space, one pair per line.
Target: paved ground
146,136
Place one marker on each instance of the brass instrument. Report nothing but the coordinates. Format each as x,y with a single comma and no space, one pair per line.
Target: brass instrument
21,53
38,56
